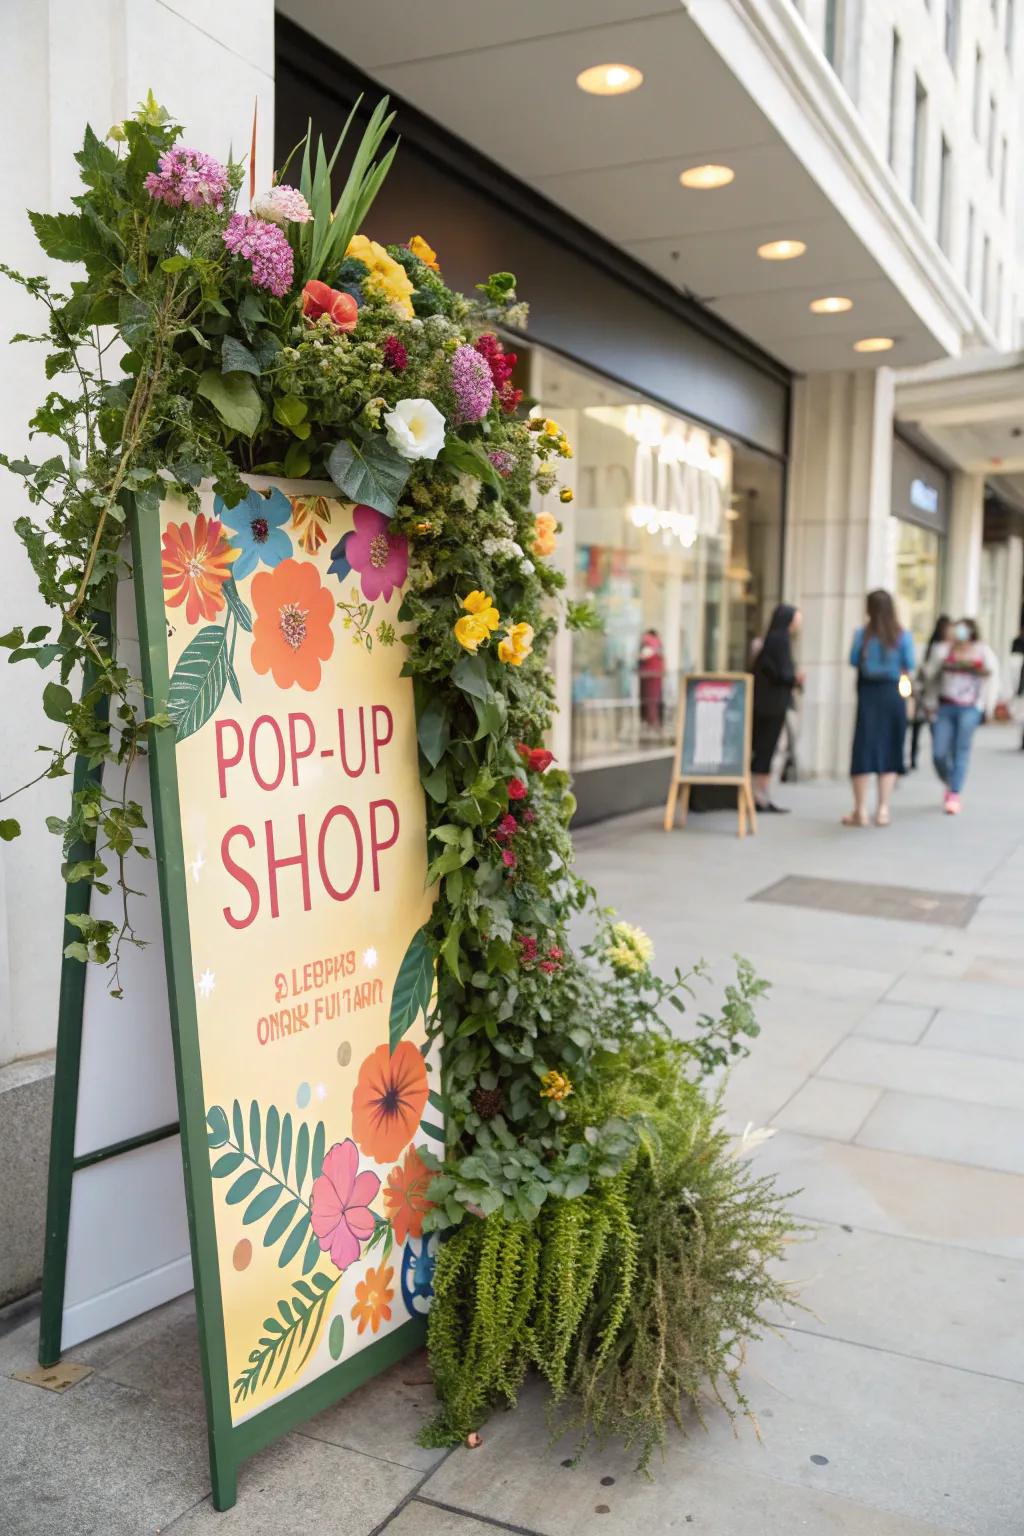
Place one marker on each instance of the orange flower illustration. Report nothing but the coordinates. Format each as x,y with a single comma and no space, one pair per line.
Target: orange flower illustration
196,562
405,1196
373,1298
311,519
291,634
388,1100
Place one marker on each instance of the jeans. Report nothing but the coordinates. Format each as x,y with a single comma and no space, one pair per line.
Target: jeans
952,732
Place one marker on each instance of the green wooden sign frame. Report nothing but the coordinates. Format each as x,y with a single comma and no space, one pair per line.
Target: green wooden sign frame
229,1444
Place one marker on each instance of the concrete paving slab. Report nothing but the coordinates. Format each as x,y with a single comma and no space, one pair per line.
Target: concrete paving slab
692,1489
939,1202
954,1075
953,1307
822,1108
420,1518
978,1134
979,1034
955,992
903,1022
301,1485
754,1093
384,1417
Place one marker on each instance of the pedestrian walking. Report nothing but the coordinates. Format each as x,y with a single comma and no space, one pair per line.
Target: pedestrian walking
651,673
775,678
926,696
965,673
883,653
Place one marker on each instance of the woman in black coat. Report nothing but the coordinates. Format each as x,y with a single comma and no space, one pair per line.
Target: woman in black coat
775,677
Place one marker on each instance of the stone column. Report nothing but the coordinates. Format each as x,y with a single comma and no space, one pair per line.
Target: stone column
66,62
839,542
962,579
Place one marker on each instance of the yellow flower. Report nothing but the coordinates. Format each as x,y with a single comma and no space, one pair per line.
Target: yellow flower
471,631
386,275
630,950
552,428
544,528
565,448
518,644
479,604
565,494
420,248
555,1085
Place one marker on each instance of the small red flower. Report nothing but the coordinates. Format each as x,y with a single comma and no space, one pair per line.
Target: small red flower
508,825
508,858
319,299
537,759
548,967
517,789
527,948
554,953
395,356
529,818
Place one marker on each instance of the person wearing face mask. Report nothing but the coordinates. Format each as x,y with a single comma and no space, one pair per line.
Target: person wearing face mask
965,674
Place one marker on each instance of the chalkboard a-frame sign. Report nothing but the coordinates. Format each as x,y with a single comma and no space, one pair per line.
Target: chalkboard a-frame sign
286,1075
714,730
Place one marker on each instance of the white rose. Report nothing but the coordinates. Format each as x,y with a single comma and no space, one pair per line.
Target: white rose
416,429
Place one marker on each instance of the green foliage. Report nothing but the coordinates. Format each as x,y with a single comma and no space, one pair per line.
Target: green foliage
325,239
293,1331
264,1174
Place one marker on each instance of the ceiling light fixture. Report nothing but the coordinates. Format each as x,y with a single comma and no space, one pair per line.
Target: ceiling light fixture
705,178
609,79
835,304
781,250
874,344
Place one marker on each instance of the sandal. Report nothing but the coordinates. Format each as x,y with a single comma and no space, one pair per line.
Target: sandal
882,817
856,819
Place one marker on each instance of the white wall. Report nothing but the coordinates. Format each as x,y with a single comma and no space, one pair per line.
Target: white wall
65,62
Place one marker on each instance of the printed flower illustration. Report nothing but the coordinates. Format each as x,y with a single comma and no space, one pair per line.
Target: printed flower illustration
517,644
256,527
373,1298
292,629
195,564
380,556
405,1196
388,1101
339,1204
311,518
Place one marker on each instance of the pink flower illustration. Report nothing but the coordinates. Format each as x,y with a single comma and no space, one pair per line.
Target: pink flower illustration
339,1205
380,556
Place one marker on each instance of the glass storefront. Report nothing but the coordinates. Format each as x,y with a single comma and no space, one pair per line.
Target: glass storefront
674,536
918,580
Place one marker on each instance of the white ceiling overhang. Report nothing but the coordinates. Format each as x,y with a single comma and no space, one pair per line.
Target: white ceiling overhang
971,410
503,79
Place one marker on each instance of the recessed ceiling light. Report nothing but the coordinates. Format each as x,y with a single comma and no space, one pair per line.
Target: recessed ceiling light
609,79
707,177
781,250
835,304
873,344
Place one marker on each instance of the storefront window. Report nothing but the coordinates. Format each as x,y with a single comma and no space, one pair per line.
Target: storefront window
918,554
670,549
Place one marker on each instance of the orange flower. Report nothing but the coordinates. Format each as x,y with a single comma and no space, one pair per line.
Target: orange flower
373,1298
311,518
388,1100
291,634
544,529
405,1196
196,563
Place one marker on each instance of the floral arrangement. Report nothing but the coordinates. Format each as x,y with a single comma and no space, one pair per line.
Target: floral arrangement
285,341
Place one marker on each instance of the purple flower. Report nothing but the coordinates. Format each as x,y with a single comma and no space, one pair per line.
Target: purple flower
188,176
503,461
472,385
266,247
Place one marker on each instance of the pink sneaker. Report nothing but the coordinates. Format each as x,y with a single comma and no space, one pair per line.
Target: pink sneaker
952,803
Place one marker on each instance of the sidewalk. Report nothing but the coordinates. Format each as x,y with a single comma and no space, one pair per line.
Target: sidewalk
891,1062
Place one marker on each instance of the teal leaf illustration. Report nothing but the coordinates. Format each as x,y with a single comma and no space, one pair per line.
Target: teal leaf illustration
218,1129
199,680
243,1185
273,1134
301,1155
295,1241
291,1336
236,1124
319,1147
336,1337
371,473
261,1204
281,1222
234,601
286,1144
312,1254
254,1129
229,1163
413,986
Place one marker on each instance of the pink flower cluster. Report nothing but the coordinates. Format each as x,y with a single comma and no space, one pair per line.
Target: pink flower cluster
503,461
529,955
501,364
266,248
472,385
188,176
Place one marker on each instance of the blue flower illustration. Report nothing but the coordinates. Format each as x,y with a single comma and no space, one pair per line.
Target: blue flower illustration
256,530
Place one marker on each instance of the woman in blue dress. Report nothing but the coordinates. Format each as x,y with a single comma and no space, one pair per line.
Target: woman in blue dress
883,653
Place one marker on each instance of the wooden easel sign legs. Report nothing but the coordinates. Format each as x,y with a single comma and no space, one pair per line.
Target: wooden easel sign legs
714,727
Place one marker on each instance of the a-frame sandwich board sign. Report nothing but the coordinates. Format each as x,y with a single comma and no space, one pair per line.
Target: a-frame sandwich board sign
247,1118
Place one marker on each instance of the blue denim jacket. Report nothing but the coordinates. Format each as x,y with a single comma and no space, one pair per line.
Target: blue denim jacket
876,661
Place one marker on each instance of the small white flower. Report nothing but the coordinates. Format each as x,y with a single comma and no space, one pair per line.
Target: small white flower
282,205
527,567
416,429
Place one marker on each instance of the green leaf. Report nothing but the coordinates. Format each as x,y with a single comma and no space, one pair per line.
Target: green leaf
433,730
254,1129
237,1124
234,601
470,674
290,410
273,1129
297,462
413,986
281,1222
174,264
372,473
234,397
9,829
134,319
57,701
243,1185
61,235
577,1185
311,1258
262,1203
199,680
316,1162
235,357
286,1145
301,1155
296,1238
229,1163
336,1337
217,1121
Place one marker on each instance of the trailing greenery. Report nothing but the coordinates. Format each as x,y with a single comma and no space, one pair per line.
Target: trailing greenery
634,1301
